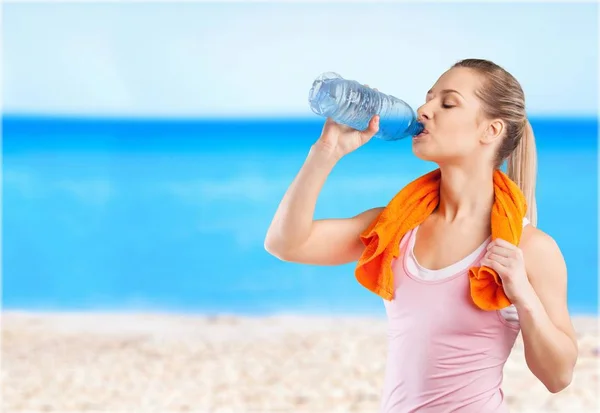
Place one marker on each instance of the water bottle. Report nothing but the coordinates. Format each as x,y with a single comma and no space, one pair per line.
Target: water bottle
352,104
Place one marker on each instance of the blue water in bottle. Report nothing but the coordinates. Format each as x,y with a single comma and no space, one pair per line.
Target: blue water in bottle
350,103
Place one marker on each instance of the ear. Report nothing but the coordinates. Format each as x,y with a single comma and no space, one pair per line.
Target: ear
493,132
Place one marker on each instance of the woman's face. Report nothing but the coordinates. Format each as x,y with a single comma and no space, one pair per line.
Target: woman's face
455,129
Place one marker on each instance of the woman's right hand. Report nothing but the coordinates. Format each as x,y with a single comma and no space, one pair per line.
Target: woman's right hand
339,140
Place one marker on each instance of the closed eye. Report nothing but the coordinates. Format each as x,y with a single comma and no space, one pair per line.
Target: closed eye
447,106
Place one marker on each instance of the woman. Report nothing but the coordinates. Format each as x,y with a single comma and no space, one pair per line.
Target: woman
444,353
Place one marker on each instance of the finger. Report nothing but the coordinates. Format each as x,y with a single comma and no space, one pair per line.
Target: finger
514,252
494,265
372,129
373,124
500,243
504,252
330,121
502,260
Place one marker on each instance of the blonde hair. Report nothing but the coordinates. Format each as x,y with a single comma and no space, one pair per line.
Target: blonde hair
502,98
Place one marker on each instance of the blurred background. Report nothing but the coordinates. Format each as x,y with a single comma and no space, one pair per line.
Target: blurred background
146,146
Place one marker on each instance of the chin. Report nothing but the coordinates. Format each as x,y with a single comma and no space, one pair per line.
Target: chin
421,151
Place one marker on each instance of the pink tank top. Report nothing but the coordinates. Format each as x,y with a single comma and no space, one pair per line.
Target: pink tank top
444,353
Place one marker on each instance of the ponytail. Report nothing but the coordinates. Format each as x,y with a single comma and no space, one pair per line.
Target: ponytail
502,97
522,169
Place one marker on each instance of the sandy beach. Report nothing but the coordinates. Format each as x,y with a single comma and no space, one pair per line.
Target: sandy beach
174,363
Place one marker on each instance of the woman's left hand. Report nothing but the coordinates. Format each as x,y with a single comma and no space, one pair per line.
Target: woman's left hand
507,260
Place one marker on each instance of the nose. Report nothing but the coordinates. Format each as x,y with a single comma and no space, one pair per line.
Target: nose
423,113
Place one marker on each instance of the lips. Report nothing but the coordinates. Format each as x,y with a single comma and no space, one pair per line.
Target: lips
423,133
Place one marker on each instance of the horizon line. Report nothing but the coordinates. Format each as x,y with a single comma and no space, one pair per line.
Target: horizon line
233,118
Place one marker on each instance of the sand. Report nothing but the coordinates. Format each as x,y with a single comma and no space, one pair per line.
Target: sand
174,363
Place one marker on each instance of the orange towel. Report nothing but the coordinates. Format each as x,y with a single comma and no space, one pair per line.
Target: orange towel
410,207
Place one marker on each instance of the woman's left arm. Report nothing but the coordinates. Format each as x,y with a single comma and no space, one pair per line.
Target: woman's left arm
534,278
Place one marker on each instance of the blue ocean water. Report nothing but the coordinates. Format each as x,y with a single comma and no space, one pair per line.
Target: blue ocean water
126,215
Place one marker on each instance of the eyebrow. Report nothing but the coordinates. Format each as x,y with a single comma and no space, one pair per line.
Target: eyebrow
430,91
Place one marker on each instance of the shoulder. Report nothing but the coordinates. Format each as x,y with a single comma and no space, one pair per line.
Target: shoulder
535,240
542,255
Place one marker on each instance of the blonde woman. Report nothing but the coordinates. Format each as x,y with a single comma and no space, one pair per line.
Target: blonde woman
446,354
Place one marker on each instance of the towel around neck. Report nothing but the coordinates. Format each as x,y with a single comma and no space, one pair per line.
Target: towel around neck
415,202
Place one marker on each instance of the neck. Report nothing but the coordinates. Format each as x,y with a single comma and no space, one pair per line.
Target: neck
465,193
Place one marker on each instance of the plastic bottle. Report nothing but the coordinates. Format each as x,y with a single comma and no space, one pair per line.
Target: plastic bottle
350,103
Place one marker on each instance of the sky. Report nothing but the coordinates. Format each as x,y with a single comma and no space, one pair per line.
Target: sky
259,59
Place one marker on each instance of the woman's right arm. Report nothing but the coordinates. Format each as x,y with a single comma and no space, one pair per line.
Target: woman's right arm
293,234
